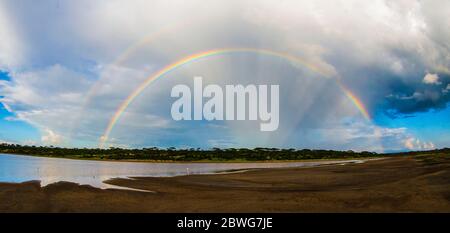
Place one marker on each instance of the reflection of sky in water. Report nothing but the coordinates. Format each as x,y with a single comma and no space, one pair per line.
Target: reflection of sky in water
18,168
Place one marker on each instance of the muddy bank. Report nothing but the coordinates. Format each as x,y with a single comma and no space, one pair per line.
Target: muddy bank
402,184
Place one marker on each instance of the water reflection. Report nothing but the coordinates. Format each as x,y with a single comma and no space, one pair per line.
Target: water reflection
19,168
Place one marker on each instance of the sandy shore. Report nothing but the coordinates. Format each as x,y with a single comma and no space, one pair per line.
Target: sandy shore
403,184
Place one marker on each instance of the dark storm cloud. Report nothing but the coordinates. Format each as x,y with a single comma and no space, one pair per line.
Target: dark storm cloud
418,97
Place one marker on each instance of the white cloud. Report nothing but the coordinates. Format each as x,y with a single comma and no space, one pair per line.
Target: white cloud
53,99
53,86
412,143
51,138
379,29
431,79
409,143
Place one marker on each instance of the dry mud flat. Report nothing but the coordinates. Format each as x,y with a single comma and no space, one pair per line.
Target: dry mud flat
401,184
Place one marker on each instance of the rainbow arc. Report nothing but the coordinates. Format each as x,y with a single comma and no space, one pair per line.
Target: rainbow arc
203,55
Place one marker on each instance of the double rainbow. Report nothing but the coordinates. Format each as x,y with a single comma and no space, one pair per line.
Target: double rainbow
197,56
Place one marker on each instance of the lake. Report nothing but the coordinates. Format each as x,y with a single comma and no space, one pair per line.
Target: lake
20,168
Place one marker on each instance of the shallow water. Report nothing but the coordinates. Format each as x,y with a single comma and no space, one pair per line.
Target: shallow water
20,168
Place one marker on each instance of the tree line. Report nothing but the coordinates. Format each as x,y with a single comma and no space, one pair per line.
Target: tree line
173,154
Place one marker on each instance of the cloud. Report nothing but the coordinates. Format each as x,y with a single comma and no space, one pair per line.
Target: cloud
10,45
7,142
431,79
53,99
377,56
419,101
364,136
221,143
51,138
6,107
112,46
47,99
412,143
447,89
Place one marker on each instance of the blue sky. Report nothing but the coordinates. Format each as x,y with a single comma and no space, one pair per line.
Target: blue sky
14,131
66,67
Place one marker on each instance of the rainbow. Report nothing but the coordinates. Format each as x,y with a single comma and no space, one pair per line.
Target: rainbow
122,58
197,56
356,101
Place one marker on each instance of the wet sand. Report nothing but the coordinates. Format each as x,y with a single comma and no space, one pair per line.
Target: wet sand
401,184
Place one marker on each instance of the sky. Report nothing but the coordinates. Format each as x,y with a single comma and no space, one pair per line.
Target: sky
67,66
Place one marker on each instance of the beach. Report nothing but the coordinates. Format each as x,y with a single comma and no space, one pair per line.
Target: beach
397,184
